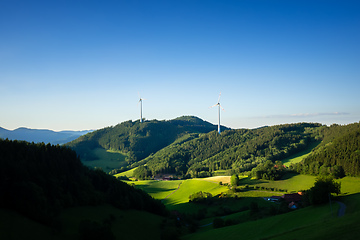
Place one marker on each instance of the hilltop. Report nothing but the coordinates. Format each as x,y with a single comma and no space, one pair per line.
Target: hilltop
136,141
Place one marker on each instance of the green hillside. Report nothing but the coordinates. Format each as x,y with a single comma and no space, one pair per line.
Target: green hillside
189,147
235,150
40,182
337,155
133,141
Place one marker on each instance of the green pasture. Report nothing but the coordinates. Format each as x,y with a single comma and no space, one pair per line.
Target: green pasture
129,173
290,182
191,186
271,226
349,185
158,189
107,159
217,179
298,157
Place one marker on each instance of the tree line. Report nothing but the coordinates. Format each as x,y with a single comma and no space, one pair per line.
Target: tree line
238,150
39,181
338,155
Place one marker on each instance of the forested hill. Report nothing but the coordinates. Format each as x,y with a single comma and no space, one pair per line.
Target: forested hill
139,140
39,180
236,150
338,154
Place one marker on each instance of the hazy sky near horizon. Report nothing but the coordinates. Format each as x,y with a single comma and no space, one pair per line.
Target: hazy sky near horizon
74,65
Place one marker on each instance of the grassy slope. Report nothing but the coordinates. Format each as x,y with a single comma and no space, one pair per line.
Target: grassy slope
269,226
107,160
16,226
298,157
290,182
158,189
191,186
129,173
123,227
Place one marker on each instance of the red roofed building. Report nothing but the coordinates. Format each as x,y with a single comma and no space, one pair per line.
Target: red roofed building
293,197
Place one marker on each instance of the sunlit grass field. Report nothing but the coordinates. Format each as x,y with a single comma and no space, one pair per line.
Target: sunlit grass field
290,182
299,156
157,189
129,173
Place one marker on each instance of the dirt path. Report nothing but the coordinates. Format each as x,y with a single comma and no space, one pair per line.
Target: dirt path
342,209
172,192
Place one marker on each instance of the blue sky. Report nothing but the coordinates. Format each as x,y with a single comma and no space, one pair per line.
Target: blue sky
78,65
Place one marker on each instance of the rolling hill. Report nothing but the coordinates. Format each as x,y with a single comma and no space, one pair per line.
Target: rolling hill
338,154
137,140
190,147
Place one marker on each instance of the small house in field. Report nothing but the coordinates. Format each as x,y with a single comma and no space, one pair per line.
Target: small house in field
293,197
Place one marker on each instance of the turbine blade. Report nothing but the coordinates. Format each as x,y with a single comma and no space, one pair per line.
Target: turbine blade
214,105
219,97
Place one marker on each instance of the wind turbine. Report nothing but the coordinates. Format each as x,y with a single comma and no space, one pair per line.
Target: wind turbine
219,106
140,101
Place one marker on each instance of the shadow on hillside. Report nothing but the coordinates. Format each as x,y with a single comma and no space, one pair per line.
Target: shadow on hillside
289,175
150,190
250,181
219,207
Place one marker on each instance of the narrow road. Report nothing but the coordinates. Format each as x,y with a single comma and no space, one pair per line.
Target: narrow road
342,209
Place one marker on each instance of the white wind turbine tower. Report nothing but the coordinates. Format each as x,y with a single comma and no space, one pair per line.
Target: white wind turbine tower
140,101
219,106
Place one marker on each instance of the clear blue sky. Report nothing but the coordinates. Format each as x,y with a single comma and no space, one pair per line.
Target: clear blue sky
80,64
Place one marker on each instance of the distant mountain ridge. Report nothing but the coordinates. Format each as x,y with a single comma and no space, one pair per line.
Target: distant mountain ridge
41,135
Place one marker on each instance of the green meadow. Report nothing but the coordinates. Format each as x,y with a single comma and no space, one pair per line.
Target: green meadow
298,157
290,182
303,223
269,227
157,189
107,159
129,173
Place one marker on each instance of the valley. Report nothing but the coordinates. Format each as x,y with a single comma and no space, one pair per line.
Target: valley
181,179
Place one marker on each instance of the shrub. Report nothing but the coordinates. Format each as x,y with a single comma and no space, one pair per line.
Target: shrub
200,196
